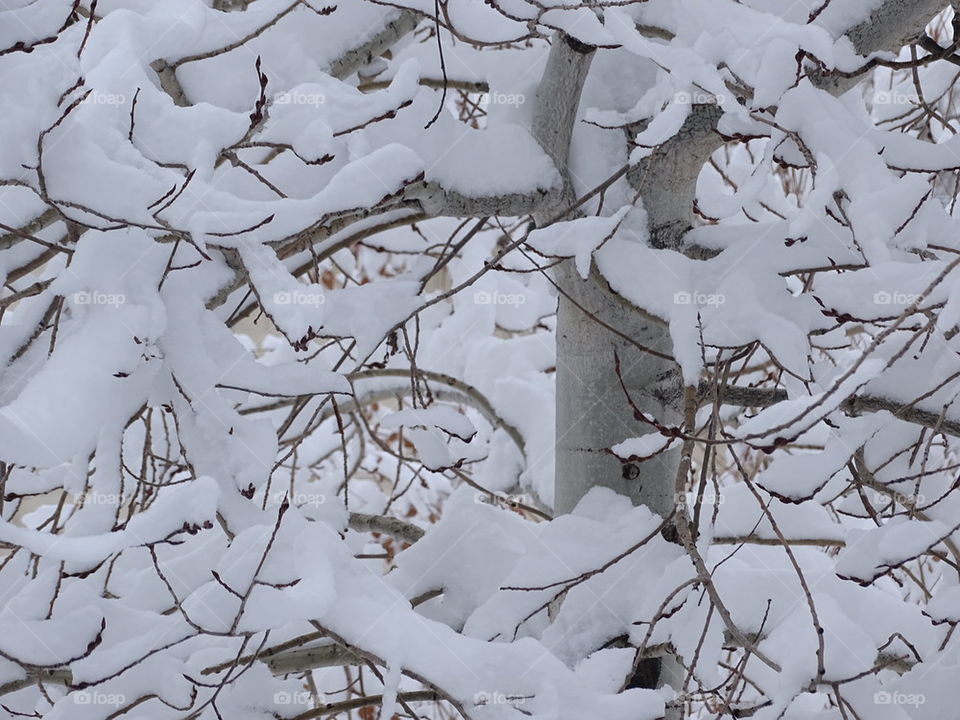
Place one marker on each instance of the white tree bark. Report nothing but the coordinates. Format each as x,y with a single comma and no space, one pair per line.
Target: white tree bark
591,408
592,412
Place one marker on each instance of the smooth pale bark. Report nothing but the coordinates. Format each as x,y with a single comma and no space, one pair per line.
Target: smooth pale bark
591,407
590,403
592,412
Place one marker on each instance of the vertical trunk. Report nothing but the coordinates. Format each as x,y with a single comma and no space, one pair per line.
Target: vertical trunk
592,412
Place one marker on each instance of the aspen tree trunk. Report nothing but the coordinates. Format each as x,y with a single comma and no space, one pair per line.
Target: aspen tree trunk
592,413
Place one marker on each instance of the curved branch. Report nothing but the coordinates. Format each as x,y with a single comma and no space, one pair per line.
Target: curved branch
451,390
476,398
